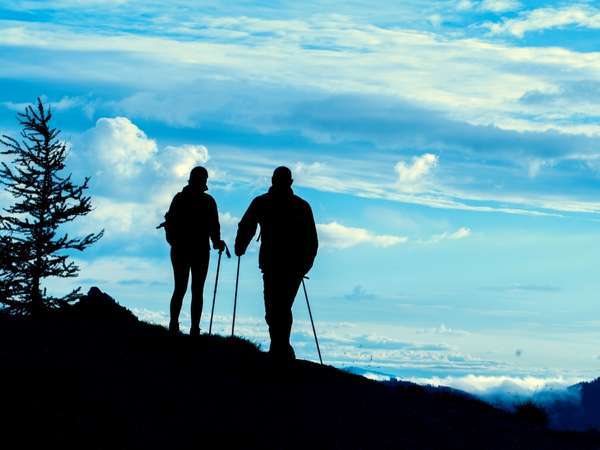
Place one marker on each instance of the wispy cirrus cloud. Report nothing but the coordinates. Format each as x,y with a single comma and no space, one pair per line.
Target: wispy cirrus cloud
580,15
336,235
461,233
383,61
496,6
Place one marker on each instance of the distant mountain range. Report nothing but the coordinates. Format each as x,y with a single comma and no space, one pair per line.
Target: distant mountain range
95,377
575,407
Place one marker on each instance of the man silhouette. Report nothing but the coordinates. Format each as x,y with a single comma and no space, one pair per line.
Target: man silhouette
287,251
191,220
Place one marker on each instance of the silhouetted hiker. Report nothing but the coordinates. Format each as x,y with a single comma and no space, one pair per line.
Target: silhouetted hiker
288,248
191,220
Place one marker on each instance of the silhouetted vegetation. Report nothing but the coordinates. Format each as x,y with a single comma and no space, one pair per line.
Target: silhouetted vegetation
31,245
532,413
111,381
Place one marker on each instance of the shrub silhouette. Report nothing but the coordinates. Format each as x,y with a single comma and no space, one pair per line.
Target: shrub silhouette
531,413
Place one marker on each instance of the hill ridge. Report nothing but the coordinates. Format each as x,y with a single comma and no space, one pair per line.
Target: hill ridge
95,376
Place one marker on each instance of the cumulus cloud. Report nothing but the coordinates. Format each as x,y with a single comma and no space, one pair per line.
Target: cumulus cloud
228,219
108,271
133,179
546,18
411,175
120,145
334,234
179,160
122,149
119,217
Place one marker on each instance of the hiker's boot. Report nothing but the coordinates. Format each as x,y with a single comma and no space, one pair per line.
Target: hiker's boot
195,331
291,355
174,328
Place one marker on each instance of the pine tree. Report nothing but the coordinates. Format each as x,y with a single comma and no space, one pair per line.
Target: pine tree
32,247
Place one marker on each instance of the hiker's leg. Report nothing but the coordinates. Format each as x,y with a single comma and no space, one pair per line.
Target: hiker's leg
270,293
199,271
280,290
181,273
292,283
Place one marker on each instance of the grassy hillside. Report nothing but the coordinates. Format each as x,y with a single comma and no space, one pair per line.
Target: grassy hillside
94,377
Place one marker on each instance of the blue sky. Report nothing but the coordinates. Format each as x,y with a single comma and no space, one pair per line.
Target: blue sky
450,151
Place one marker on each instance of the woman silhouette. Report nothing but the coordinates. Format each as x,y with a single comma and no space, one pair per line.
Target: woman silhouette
191,221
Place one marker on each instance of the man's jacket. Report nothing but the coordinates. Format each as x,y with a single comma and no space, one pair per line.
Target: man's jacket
192,219
288,233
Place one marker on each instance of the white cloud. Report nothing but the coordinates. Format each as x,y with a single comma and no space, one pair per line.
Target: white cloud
167,61
120,145
444,330
304,170
487,385
465,5
118,217
109,271
337,235
496,6
123,150
228,219
547,18
366,178
536,165
63,104
436,20
410,176
133,181
407,63
82,4
461,233
151,316
179,161
499,5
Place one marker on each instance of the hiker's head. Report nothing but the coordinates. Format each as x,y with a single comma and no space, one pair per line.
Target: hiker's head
282,178
198,178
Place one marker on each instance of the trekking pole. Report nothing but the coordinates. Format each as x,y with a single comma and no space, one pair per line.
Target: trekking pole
237,279
212,311
312,322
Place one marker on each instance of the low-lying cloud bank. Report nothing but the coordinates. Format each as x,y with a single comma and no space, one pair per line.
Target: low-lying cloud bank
501,386
569,404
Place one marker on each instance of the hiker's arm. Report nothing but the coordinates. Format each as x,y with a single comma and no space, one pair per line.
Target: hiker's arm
170,222
171,213
246,229
312,244
214,228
